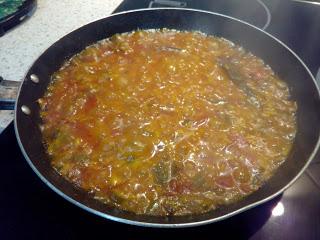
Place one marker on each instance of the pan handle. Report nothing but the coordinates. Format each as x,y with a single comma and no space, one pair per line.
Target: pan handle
8,93
7,104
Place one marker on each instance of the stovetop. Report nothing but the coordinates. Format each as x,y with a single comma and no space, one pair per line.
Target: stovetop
30,210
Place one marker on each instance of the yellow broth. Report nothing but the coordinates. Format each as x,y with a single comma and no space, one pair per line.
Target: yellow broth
163,122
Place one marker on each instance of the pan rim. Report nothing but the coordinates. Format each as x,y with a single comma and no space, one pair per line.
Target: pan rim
168,225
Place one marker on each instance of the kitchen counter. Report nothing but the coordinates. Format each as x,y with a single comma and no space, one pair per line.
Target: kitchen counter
52,20
21,46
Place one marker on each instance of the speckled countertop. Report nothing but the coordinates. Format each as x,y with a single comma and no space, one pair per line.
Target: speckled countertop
52,19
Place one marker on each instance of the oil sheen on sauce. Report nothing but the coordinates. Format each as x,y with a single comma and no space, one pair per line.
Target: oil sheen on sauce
163,122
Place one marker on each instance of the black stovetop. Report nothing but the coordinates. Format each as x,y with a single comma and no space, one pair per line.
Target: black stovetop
30,210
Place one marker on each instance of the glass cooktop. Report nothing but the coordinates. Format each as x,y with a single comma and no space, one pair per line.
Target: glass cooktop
30,210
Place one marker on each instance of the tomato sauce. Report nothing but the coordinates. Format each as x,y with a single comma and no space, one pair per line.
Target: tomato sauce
163,122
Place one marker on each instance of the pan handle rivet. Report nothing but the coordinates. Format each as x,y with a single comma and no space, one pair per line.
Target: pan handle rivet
25,110
34,78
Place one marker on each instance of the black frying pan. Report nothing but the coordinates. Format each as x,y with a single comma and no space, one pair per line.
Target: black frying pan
283,61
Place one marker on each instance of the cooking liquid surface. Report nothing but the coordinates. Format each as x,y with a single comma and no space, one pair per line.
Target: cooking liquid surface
166,122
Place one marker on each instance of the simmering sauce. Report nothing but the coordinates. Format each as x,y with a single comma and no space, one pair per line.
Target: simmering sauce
163,122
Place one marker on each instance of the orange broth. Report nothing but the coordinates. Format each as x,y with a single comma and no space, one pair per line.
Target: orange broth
163,122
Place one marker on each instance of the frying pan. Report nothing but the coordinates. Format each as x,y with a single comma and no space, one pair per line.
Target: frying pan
281,59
